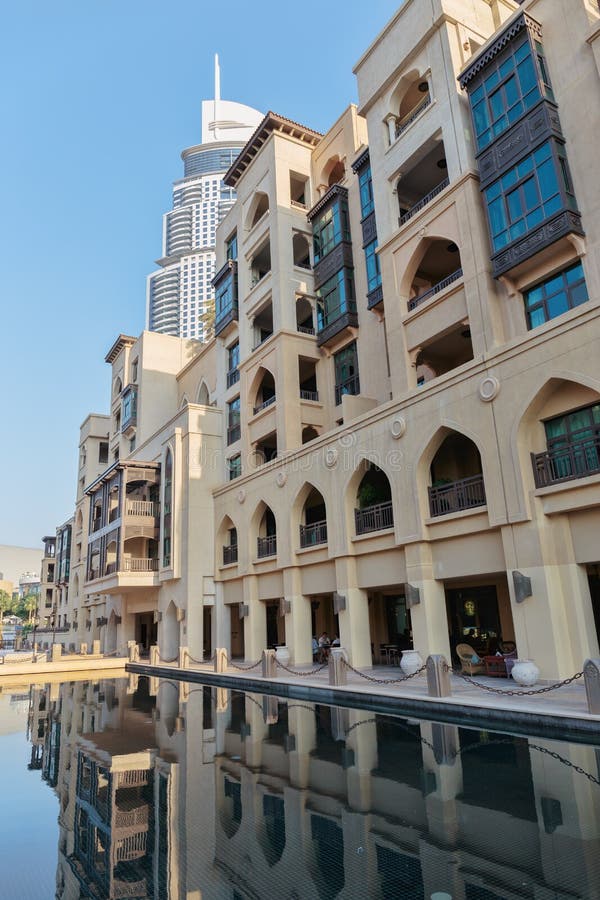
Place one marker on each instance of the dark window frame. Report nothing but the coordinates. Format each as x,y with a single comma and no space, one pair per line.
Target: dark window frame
540,296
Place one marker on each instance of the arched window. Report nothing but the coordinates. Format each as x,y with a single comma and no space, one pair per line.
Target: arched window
374,510
313,528
456,476
267,534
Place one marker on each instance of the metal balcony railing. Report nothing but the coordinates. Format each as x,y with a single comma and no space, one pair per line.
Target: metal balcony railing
140,565
132,778
423,201
416,301
465,493
305,329
141,508
266,546
374,518
129,818
310,535
309,395
403,125
230,554
350,386
566,463
268,402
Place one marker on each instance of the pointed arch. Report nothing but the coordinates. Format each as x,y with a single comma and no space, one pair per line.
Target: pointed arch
203,395
259,205
264,529
433,258
227,542
369,497
333,171
309,515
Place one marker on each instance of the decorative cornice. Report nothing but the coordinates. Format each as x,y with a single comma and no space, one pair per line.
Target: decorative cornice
336,190
498,44
271,122
361,160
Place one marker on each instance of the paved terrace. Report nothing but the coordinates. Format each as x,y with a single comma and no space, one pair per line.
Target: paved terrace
562,710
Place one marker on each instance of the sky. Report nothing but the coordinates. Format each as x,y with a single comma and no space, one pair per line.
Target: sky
98,98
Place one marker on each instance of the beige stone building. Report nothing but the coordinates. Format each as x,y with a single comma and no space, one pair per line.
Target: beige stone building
394,436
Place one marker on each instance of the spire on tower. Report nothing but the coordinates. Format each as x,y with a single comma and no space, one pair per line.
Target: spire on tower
217,78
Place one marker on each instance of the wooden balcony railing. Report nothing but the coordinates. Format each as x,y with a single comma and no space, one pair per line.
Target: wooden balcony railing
266,546
140,565
457,495
576,460
310,535
230,554
374,518
141,508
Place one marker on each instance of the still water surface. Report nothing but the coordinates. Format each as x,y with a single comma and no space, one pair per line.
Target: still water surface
159,790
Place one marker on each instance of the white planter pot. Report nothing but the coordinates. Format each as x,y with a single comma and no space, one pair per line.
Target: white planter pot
282,655
411,661
525,672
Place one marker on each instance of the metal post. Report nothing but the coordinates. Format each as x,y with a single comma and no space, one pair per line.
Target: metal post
438,676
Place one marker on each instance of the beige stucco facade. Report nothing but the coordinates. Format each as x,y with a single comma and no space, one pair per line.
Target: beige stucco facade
370,455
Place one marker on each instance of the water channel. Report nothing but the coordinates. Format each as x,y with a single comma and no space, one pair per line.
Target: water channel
160,790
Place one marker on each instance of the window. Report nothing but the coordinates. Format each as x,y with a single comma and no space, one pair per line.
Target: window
373,268
331,228
234,464
335,298
231,247
510,89
224,298
346,372
103,451
233,412
167,508
134,370
365,185
233,357
555,295
573,442
525,196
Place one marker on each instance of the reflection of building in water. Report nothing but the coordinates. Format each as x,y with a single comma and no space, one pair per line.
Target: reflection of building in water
373,806
171,791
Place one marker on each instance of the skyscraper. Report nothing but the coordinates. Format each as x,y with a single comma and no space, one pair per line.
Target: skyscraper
178,291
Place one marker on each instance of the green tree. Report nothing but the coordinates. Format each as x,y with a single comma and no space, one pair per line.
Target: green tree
7,604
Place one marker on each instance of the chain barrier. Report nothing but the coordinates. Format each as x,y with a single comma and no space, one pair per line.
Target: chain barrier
301,674
510,693
255,665
121,651
166,661
201,662
384,680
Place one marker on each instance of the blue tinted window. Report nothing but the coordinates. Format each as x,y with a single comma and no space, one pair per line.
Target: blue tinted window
555,295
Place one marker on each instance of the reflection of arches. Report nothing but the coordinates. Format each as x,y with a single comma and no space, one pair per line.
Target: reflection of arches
271,827
111,633
258,207
203,395
231,811
326,861
169,644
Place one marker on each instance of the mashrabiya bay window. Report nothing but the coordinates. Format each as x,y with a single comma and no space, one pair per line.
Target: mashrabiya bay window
330,229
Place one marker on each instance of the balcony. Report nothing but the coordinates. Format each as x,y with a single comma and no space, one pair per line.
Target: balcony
567,463
266,546
311,535
233,433
404,123
131,818
350,386
305,329
457,496
268,402
132,778
309,395
374,518
141,508
336,321
440,286
230,554
420,204
140,565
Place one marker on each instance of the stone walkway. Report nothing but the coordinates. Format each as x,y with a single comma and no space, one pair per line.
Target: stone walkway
568,702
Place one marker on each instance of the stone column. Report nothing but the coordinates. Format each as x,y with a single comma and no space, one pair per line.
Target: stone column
255,622
428,617
298,634
355,635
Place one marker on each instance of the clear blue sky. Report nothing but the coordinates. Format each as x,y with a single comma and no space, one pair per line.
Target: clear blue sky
98,98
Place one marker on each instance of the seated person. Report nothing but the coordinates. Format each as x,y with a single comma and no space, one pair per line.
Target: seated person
324,644
315,648
335,642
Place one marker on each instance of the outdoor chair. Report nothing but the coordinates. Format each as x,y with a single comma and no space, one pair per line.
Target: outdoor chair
466,655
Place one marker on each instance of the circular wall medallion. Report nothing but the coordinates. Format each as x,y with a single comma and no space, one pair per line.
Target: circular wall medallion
489,388
398,427
281,479
241,495
348,440
331,456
